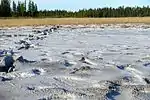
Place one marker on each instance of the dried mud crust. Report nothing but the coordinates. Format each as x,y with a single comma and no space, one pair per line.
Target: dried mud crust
80,62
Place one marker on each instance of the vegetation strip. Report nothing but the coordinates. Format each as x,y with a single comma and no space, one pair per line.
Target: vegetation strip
70,21
30,9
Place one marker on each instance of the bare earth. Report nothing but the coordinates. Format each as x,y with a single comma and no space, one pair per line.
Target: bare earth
75,21
116,64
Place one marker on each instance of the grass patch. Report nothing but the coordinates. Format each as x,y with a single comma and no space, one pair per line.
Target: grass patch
67,21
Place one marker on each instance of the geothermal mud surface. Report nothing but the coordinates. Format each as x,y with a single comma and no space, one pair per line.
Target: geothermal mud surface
93,62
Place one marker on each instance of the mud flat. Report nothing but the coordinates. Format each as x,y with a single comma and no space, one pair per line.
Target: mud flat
77,62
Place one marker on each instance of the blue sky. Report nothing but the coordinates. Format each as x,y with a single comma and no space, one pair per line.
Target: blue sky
80,4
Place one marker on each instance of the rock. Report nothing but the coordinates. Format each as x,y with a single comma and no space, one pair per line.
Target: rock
65,53
122,67
44,59
39,38
39,31
124,26
8,35
22,35
127,78
45,33
147,80
46,30
34,31
85,68
67,63
113,91
48,98
24,47
31,88
44,99
139,61
87,61
82,59
25,44
38,71
6,79
20,48
30,35
57,26
22,42
75,70
15,35
146,64
22,60
2,52
53,29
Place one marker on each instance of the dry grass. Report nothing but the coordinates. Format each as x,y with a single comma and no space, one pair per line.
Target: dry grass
56,21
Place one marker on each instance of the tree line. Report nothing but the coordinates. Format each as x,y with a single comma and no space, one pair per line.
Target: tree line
13,9
21,8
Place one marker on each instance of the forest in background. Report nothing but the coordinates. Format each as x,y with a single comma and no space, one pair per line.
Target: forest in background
10,8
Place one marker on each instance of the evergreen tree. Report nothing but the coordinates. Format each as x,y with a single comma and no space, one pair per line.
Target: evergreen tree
35,10
14,7
25,8
0,11
22,9
30,8
19,8
5,8
25,5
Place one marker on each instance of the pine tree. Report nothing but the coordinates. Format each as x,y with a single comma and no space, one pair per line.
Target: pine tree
14,7
35,10
0,11
19,8
22,9
25,5
30,8
5,8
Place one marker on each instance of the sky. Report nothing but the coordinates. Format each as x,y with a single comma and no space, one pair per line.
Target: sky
74,5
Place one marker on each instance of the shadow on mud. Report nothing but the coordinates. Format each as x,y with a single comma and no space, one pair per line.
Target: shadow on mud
2,69
112,94
113,91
